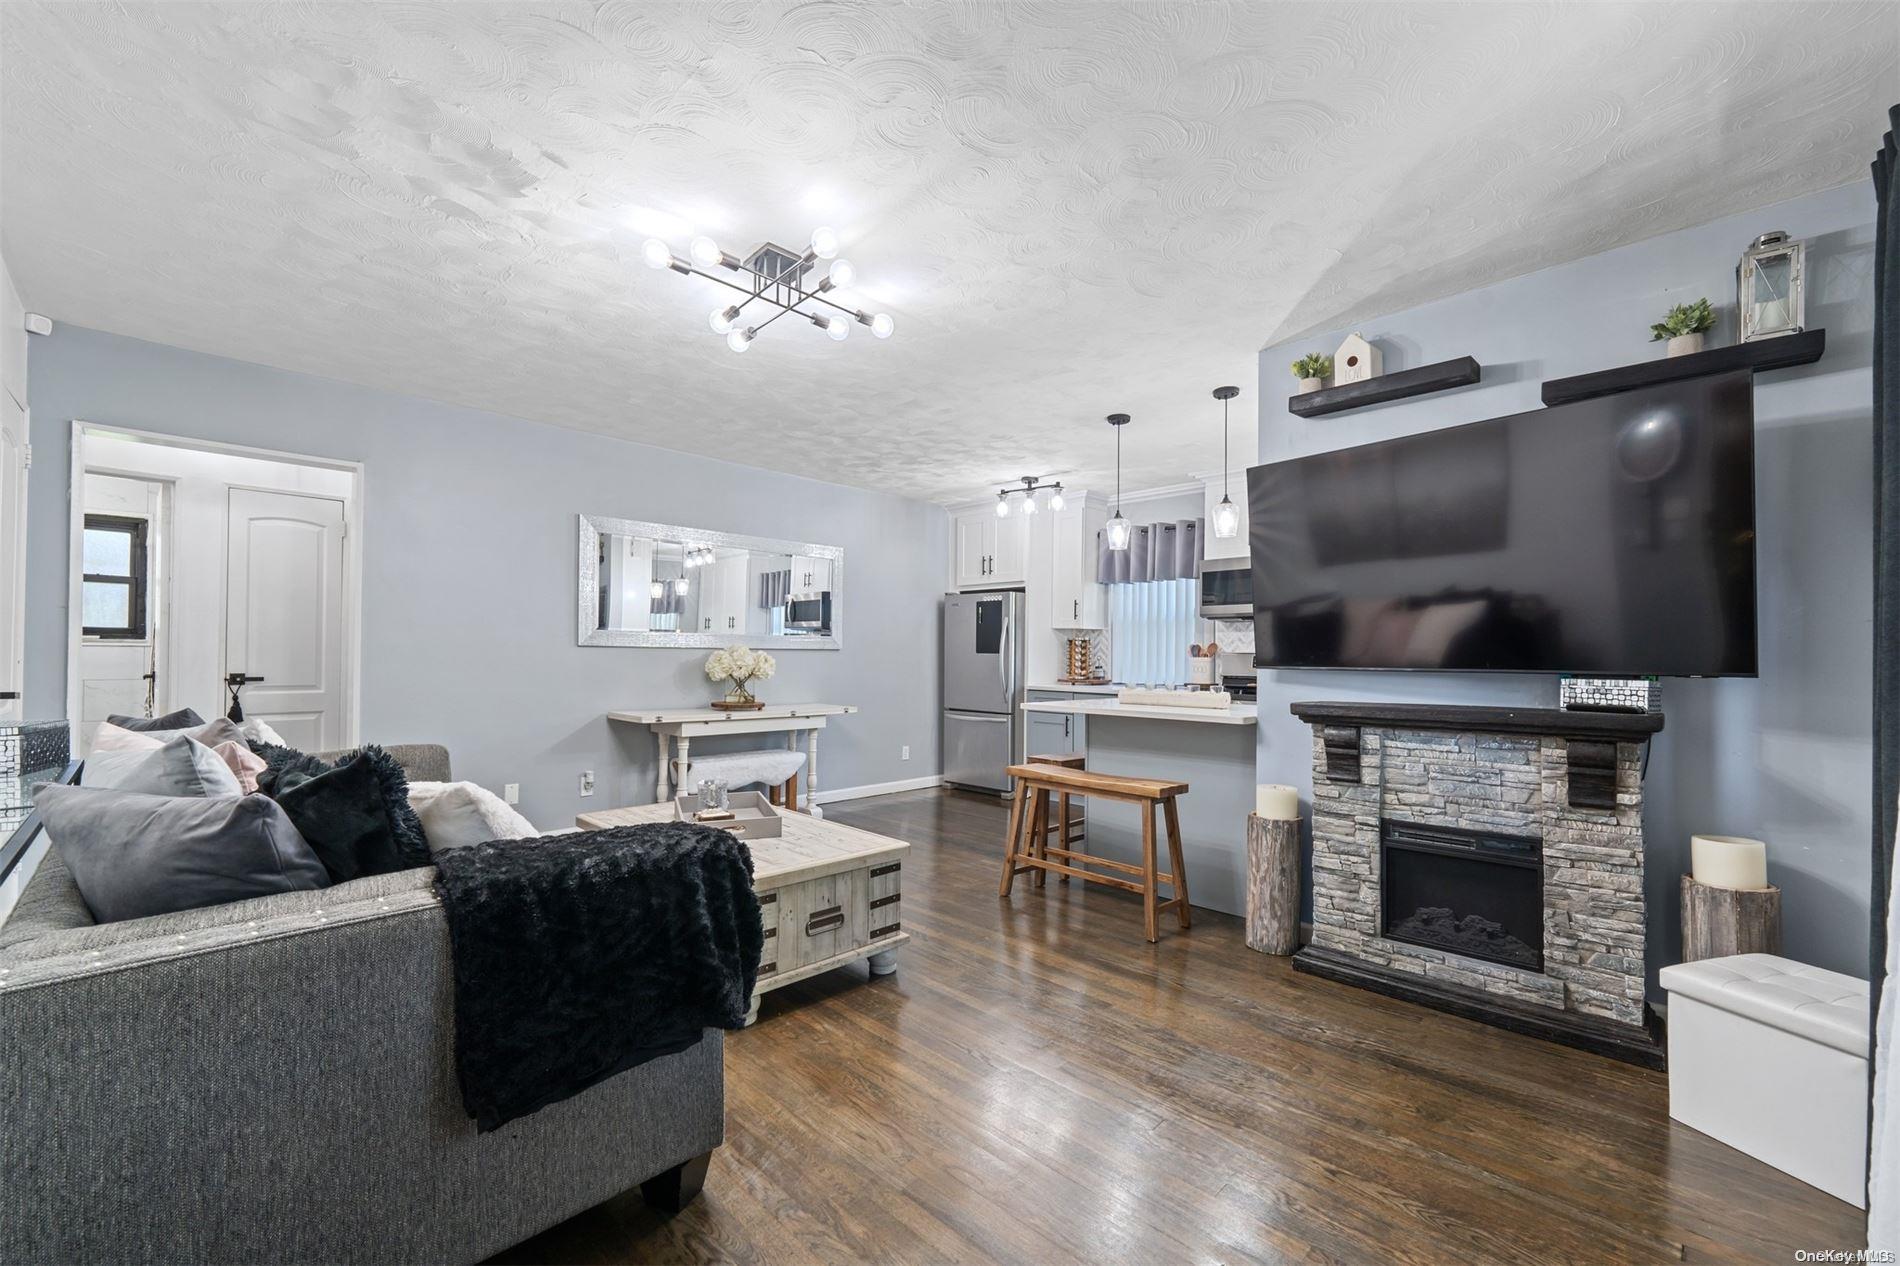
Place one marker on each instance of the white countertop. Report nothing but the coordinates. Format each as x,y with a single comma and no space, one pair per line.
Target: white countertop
1237,714
1068,688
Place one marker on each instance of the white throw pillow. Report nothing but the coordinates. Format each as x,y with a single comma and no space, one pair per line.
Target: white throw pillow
457,814
255,731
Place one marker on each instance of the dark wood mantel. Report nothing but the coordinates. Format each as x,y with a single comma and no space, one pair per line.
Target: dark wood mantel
1602,727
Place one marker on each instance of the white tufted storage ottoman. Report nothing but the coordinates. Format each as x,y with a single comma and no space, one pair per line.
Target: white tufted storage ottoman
1770,1056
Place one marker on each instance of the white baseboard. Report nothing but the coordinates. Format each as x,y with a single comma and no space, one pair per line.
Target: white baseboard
878,789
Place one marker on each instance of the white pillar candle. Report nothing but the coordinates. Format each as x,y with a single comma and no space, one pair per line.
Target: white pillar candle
1729,861
1277,802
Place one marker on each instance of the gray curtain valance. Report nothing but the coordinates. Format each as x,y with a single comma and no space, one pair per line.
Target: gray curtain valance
1170,550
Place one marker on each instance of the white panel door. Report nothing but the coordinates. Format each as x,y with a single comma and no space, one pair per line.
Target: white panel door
284,613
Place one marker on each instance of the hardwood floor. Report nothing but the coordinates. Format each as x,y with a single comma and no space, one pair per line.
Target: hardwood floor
1036,1083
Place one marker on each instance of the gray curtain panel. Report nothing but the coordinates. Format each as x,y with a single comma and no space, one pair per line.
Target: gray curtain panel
1170,550
1886,701
774,588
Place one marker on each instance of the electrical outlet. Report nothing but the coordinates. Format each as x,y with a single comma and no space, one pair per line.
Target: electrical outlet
512,793
906,755
587,782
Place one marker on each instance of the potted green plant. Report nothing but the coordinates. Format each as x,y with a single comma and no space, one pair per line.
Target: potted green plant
1684,327
1313,369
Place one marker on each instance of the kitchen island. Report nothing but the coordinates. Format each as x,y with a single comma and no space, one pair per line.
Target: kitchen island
1209,749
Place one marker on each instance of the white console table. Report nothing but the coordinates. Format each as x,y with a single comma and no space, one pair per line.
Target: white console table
676,728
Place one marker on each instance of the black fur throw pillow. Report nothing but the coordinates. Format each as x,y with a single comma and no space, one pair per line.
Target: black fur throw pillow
355,815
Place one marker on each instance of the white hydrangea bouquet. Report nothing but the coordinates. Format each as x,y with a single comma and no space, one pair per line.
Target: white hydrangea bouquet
739,665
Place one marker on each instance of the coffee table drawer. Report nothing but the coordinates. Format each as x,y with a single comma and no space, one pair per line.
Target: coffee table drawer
820,918
768,919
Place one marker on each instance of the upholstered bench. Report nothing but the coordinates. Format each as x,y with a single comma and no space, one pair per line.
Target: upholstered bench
1770,1056
774,768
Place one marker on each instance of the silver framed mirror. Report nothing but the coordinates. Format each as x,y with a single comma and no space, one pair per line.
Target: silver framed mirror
659,584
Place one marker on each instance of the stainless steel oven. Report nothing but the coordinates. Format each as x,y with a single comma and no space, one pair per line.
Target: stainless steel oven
1226,589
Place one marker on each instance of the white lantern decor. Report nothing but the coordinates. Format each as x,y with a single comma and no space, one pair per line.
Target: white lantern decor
1770,287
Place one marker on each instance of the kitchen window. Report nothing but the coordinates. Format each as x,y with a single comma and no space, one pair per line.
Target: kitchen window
1151,624
113,585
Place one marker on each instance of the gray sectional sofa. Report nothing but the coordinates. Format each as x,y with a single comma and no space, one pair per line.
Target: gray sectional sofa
274,1081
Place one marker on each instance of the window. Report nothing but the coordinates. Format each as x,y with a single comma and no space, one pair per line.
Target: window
112,592
1151,624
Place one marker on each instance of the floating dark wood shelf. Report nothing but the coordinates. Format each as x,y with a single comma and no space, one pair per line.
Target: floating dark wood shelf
1394,386
1770,353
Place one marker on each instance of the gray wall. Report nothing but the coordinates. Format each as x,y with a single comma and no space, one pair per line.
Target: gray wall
468,581
1786,757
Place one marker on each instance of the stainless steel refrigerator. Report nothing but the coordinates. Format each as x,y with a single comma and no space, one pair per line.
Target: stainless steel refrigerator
982,688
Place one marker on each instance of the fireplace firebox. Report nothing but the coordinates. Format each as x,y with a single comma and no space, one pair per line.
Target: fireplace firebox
1473,893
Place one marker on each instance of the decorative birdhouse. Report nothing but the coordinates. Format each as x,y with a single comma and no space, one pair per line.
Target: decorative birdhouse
1355,361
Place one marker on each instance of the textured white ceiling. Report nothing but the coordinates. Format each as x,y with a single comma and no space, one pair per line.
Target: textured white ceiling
1071,209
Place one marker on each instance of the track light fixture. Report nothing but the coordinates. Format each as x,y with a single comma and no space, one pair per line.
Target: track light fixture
1029,486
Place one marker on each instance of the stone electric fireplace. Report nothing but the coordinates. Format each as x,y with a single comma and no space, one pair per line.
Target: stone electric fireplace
1485,861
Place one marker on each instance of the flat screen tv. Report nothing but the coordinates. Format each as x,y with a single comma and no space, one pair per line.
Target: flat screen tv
1611,537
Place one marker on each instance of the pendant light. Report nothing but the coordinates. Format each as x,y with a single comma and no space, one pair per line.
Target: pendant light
1226,514
1118,529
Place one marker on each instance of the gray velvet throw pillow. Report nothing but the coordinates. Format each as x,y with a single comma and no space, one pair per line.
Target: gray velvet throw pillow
183,767
133,855
183,719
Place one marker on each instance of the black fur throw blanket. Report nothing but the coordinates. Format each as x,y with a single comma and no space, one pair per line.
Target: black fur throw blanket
580,956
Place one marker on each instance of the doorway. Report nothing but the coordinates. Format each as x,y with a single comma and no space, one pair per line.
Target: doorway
205,576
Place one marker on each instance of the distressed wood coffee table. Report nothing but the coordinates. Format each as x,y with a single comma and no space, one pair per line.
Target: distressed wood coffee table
829,894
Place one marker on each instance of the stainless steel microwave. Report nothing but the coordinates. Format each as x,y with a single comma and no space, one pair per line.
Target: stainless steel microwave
1226,589
809,613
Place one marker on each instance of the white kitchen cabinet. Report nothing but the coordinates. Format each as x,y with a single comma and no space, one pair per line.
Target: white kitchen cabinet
1009,553
722,595
810,575
1076,601
1235,546
991,552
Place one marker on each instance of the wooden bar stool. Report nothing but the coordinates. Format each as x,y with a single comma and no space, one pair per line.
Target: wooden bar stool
1028,845
1062,827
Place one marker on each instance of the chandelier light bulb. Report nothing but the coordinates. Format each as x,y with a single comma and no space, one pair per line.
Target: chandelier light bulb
882,325
706,251
657,254
658,590
1118,530
1226,519
838,328
680,586
1029,502
824,243
739,340
842,272
1056,502
1002,505
721,320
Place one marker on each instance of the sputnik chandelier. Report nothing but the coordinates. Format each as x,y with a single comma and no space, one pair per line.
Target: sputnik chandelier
773,276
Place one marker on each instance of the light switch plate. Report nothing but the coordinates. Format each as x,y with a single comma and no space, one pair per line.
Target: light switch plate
512,793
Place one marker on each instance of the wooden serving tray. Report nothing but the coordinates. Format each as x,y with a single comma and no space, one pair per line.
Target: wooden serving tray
753,816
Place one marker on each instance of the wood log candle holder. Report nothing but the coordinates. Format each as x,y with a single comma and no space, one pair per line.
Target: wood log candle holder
1717,922
1273,884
